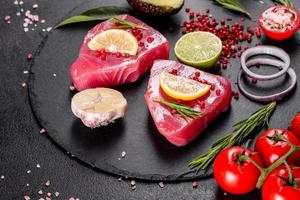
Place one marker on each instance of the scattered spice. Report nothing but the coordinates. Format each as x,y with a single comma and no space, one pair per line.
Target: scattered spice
56,194
195,184
26,197
133,183
48,183
231,34
123,154
161,184
42,131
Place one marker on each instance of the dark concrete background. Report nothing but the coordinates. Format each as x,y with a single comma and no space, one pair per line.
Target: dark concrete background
22,147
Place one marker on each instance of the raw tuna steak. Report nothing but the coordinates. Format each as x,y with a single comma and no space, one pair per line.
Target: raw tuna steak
97,69
175,128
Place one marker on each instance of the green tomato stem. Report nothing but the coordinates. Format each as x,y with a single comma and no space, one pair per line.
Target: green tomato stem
276,164
290,178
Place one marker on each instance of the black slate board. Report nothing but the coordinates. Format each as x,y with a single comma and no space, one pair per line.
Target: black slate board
148,155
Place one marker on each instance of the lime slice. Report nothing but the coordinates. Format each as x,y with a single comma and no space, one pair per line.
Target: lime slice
199,49
115,40
179,87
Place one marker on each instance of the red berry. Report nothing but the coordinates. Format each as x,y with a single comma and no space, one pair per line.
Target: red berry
295,125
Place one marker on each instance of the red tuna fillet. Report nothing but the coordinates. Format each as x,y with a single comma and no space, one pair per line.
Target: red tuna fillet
90,70
175,128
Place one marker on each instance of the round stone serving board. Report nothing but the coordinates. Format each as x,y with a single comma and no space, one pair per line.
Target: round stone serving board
149,156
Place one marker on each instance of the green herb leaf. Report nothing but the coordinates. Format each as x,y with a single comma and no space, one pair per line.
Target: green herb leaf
242,130
126,24
183,110
96,14
287,3
233,5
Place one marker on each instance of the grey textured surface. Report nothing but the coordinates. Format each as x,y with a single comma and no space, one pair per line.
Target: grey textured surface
22,146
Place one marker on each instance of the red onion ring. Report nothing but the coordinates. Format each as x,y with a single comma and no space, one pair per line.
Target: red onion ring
269,50
273,97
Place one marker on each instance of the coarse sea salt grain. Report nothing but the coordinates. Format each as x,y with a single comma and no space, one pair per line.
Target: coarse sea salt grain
35,6
18,14
26,29
49,29
38,166
21,3
16,2
2,177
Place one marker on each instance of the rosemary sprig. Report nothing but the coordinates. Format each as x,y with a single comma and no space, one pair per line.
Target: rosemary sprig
122,23
287,3
242,130
233,5
183,110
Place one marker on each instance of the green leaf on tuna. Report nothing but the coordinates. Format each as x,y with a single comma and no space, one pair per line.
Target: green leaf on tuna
122,23
183,110
97,14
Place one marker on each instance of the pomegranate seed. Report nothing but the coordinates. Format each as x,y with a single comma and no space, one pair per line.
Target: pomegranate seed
197,74
29,56
242,19
141,44
118,55
192,15
174,72
202,104
150,39
222,21
212,87
187,9
254,81
236,95
218,92
173,111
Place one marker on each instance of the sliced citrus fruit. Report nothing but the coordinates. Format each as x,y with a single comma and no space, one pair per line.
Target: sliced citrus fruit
179,87
199,49
115,40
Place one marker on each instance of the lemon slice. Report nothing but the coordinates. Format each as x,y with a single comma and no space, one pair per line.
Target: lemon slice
199,49
182,88
115,40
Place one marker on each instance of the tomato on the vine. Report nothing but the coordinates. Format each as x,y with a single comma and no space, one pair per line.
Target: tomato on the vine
279,22
236,175
271,146
295,125
277,186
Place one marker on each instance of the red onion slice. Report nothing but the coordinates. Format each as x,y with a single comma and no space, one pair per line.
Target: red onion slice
269,50
273,97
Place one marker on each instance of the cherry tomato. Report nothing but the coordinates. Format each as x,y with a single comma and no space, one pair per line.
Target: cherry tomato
277,186
234,175
295,125
270,147
279,22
